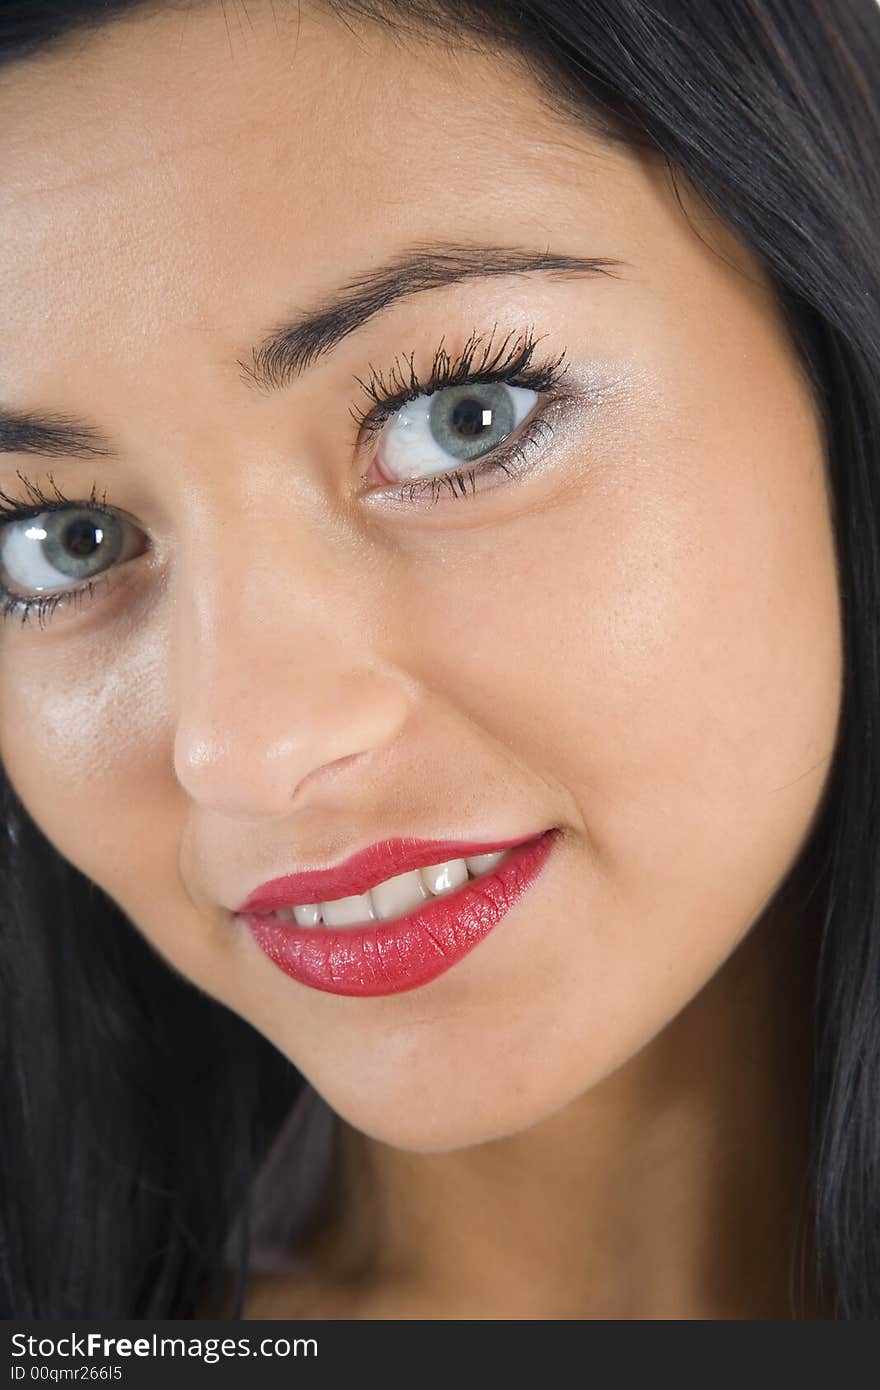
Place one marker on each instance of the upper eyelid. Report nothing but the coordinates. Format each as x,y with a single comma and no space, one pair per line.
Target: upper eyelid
500,367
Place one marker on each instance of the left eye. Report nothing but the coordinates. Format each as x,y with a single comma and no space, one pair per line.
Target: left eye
455,425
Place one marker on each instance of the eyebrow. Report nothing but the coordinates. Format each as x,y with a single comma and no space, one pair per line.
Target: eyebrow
290,348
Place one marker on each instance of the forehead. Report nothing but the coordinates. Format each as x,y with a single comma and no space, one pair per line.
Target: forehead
171,186
153,130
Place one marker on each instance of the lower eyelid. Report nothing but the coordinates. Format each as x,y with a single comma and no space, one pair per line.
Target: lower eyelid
71,603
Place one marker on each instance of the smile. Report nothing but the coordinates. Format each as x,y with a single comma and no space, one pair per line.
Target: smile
399,933
393,897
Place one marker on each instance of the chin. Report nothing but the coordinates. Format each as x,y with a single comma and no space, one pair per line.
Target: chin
455,1122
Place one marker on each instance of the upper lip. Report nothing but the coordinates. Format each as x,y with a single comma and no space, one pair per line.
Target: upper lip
364,870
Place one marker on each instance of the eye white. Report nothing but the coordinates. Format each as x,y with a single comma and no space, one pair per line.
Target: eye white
410,447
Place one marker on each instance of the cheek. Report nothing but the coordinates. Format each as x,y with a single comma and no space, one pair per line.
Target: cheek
663,650
92,765
667,640
87,759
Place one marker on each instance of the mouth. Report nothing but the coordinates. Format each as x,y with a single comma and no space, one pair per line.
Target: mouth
402,930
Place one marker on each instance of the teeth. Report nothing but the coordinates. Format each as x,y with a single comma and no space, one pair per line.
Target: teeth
343,912
398,895
395,896
441,878
308,915
480,863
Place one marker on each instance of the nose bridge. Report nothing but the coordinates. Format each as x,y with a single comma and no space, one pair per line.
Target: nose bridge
277,675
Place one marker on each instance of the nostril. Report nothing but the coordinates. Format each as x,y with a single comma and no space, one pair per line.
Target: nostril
327,771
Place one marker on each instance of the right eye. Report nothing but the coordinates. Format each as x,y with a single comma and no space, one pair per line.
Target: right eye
68,543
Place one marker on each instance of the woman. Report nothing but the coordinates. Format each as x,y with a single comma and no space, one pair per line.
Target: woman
440,543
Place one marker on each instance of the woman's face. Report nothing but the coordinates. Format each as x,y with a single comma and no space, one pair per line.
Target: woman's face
632,635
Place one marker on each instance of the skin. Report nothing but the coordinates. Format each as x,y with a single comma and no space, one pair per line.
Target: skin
599,1112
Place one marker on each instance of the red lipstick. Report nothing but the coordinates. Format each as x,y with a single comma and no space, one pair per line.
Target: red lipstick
402,952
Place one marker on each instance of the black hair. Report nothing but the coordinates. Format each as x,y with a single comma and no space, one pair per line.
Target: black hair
135,1110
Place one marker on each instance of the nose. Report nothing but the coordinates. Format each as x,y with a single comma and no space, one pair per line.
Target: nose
270,695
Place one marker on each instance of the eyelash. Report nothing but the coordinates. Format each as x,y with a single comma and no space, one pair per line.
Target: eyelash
512,364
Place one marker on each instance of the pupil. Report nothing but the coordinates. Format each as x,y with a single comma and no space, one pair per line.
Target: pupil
81,537
467,417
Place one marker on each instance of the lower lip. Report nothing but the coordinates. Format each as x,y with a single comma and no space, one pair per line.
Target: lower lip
389,957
